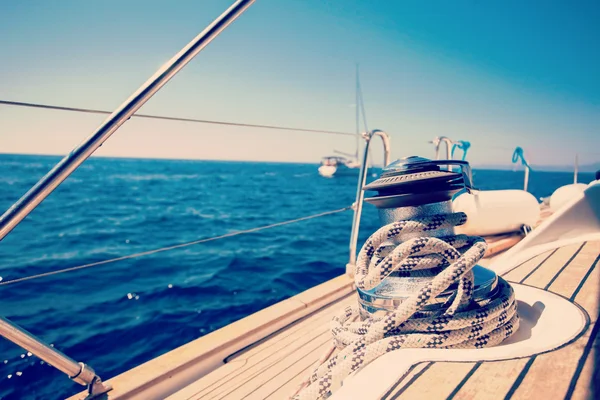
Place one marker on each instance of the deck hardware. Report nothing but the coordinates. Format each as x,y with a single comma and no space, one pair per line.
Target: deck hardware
362,179
437,141
461,145
78,372
519,155
415,187
418,283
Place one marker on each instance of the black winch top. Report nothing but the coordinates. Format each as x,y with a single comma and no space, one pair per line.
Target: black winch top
416,180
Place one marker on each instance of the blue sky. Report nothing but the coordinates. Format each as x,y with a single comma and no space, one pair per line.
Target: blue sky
498,75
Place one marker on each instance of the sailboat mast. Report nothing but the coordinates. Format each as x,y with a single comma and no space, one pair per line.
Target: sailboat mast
360,103
357,114
576,167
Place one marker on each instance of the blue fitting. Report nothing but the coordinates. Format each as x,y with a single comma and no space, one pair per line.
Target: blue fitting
519,154
462,145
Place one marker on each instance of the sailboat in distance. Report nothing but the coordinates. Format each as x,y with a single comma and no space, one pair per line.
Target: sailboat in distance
346,164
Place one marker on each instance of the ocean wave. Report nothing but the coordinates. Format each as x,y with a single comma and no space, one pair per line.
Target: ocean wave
153,177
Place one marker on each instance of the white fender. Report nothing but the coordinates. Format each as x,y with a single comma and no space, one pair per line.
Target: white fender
494,212
565,194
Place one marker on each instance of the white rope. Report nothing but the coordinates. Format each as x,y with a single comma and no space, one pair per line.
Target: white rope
173,247
463,323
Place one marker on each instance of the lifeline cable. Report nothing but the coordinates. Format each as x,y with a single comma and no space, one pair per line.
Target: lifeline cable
168,118
173,247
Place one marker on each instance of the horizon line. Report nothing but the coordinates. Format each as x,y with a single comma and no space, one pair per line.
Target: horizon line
492,167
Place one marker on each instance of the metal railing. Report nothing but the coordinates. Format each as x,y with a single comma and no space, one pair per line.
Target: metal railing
519,155
360,194
576,168
437,141
80,372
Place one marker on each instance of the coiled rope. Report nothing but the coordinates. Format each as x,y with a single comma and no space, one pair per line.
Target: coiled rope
463,323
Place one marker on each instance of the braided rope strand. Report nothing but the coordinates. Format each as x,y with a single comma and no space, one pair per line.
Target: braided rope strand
463,323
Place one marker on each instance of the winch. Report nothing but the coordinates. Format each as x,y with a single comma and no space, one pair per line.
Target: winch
418,282
411,188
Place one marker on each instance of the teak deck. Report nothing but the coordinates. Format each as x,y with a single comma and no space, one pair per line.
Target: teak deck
273,367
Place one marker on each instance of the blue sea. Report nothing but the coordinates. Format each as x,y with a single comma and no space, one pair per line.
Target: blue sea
117,316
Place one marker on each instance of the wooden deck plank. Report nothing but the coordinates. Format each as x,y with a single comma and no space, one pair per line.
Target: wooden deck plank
273,367
265,368
543,276
244,376
268,345
286,385
267,352
528,267
446,377
240,389
288,388
497,379
294,374
407,380
570,278
563,362
587,296
586,384
589,364
241,364
490,380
